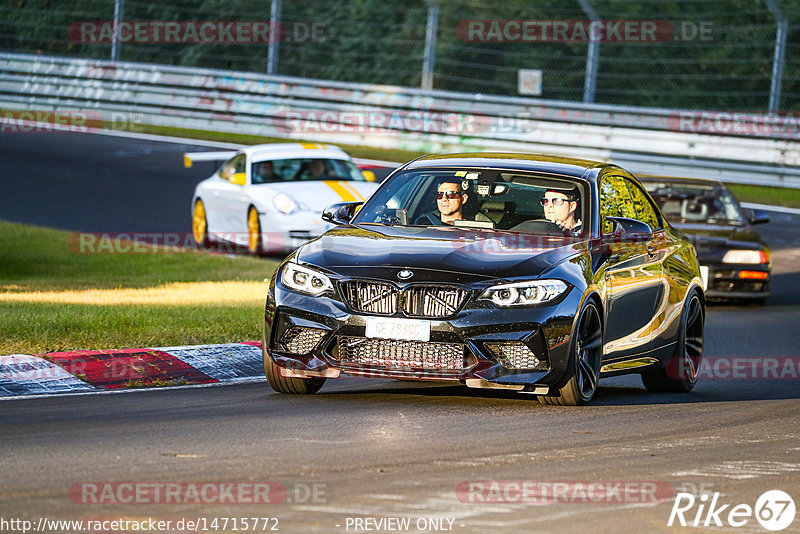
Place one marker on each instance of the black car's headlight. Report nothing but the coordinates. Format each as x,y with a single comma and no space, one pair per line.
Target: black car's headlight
305,280
524,293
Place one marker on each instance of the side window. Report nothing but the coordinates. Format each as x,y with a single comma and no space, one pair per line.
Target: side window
644,208
234,166
615,201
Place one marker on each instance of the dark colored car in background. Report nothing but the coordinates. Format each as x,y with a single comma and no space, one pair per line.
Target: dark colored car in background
735,260
502,298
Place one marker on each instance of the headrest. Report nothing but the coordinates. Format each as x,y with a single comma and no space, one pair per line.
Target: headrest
694,209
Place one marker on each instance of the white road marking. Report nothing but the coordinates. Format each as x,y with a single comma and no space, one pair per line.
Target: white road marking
778,209
213,144
743,470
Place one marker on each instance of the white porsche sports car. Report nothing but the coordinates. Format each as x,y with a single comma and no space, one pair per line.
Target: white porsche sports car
269,198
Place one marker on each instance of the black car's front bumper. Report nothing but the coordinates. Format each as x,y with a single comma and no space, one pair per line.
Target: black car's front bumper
480,344
735,281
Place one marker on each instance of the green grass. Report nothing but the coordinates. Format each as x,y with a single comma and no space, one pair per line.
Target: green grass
36,259
773,196
33,327
40,258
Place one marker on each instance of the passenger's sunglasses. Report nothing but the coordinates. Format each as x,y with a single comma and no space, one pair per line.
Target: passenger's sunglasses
448,194
554,201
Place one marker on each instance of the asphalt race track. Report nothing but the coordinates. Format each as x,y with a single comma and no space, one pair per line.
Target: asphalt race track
367,449
98,183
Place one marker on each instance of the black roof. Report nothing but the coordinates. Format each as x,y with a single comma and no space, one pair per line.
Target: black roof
573,167
677,180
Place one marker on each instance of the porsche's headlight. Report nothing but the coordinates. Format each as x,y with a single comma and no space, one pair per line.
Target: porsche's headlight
305,280
284,203
524,293
745,256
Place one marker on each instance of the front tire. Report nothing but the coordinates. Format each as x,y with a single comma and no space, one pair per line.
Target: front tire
680,373
254,244
200,224
285,384
587,350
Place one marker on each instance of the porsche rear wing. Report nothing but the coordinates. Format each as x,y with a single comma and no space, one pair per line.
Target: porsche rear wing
190,158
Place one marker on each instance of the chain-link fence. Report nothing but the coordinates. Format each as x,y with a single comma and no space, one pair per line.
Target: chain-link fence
695,54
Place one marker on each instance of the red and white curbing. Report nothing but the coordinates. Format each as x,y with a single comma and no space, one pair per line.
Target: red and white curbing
93,370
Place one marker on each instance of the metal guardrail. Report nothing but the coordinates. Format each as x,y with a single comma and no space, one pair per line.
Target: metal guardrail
641,139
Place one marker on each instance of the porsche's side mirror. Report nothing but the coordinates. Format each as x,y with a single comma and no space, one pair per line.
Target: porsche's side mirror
758,217
340,213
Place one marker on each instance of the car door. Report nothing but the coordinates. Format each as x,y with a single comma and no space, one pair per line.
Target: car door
633,275
659,247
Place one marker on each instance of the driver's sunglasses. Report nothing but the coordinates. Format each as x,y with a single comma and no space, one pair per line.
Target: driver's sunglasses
447,194
554,201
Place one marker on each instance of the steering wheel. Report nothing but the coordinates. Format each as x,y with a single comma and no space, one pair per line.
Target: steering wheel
539,226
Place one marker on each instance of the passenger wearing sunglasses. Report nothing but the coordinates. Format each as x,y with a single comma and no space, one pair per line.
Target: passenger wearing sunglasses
560,207
450,198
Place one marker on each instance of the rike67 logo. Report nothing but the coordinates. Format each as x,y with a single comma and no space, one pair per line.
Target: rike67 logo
774,510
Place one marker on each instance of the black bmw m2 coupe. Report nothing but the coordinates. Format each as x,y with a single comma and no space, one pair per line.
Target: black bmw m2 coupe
532,273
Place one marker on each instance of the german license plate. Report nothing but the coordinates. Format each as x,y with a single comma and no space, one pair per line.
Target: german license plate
704,276
402,329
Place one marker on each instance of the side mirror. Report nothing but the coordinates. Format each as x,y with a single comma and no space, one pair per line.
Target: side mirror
758,216
239,178
340,213
629,230
369,176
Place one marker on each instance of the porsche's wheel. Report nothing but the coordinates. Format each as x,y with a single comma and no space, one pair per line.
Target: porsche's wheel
680,373
254,245
284,384
587,347
199,224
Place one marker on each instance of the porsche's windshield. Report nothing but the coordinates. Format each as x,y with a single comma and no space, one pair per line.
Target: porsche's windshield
479,198
304,169
682,202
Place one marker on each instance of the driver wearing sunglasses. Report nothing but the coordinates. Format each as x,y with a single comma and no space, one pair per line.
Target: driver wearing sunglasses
450,198
560,207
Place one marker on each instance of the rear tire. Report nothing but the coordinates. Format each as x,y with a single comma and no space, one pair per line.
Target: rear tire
680,373
285,384
587,351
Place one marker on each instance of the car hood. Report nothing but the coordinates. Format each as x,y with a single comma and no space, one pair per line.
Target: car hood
312,195
711,241
437,253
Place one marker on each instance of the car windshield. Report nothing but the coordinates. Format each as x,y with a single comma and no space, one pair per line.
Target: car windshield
304,169
695,203
478,198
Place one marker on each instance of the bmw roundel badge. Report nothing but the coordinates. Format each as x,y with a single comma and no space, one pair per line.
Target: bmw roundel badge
405,274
